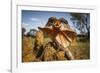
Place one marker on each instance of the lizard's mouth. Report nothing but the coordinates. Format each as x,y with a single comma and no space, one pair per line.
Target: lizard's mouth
57,25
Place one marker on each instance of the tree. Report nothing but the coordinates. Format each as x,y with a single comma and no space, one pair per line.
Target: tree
81,22
23,31
32,33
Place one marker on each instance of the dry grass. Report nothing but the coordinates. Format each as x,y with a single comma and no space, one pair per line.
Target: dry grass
80,50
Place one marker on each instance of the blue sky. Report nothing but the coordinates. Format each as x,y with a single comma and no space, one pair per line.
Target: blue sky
33,19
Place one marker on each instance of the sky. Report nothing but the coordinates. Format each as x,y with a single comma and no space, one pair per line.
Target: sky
34,19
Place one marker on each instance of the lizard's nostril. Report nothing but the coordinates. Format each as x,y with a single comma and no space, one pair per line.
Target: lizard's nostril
57,24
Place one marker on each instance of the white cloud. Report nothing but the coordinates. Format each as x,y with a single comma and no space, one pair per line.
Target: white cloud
26,26
35,19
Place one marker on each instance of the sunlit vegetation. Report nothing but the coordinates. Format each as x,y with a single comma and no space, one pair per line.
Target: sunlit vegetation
80,49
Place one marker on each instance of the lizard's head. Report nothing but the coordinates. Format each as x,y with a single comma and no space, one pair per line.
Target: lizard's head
57,24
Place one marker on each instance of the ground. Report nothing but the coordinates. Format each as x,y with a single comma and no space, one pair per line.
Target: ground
47,52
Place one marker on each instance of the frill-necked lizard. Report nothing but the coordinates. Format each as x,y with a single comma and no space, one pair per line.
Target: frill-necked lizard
60,33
